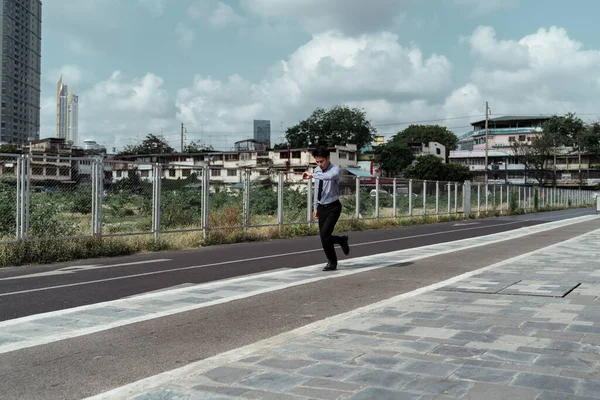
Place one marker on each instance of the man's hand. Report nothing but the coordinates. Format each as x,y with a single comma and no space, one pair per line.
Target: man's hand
315,214
306,175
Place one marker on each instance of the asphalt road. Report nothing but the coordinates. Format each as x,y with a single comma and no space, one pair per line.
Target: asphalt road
37,289
87,365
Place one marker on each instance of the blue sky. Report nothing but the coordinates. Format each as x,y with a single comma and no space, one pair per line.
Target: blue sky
145,66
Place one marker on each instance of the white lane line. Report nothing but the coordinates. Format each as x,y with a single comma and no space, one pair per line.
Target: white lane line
374,261
202,366
77,268
243,260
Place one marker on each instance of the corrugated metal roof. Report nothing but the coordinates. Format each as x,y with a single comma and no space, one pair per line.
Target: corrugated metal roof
514,118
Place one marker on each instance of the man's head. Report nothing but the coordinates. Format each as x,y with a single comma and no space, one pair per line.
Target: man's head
321,156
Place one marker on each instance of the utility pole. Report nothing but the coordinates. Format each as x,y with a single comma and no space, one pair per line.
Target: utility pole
182,128
487,114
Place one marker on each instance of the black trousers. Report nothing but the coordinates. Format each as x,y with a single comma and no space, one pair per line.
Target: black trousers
328,215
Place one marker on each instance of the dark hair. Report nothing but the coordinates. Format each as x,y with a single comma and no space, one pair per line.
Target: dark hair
321,151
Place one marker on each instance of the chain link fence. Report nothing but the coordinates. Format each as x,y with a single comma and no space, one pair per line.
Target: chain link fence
43,197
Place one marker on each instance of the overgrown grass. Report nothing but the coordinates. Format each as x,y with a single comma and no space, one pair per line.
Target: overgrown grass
54,250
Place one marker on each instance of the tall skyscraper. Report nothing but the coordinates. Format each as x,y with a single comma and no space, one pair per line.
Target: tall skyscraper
67,113
20,51
262,131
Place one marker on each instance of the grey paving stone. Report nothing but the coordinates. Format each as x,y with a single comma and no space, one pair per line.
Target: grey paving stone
509,357
228,374
382,379
332,384
439,386
488,391
546,382
285,363
476,337
366,341
591,339
379,361
549,326
356,332
430,368
315,393
562,396
384,394
334,371
589,388
469,326
567,362
570,336
273,381
423,315
251,359
334,355
391,328
482,374
264,395
173,394
457,351
583,329
564,345
222,390
416,346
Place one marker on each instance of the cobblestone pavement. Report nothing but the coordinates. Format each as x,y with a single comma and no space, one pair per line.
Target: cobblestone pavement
526,328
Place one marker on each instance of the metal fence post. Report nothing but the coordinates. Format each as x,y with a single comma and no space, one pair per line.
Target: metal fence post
19,197
377,197
478,199
246,197
309,203
410,195
26,202
156,193
357,211
205,199
424,198
394,199
94,173
437,199
456,198
280,188
467,199
449,198
501,198
487,190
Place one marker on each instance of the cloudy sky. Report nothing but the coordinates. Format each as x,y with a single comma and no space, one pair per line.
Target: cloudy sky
146,66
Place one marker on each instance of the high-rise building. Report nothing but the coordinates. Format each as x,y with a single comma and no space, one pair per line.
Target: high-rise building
262,131
20,51
67,113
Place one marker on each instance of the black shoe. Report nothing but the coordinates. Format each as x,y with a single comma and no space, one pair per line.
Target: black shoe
344,245
330,267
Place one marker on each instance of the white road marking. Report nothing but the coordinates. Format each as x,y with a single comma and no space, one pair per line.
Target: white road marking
199,367
77,268
238,261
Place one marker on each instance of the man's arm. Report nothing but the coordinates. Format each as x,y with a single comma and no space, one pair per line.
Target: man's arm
332,174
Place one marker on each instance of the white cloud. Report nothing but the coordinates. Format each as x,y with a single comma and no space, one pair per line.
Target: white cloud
154,7
72,75
479,7
185,35
348,16
216,13
330,69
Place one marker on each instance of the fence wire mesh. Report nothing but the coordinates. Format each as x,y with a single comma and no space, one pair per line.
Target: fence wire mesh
45,197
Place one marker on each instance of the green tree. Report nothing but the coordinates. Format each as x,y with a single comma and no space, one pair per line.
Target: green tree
151,145
9,149
431,168
337,126
393,157
535,156
564,130
194,147
426,134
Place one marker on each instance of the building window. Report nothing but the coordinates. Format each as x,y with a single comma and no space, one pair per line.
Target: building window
438,151
145,174
511,139
342,155
231,172
171,172
215,172
231,157
283,155
351,156
186,173
296,154
119,174
522,138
